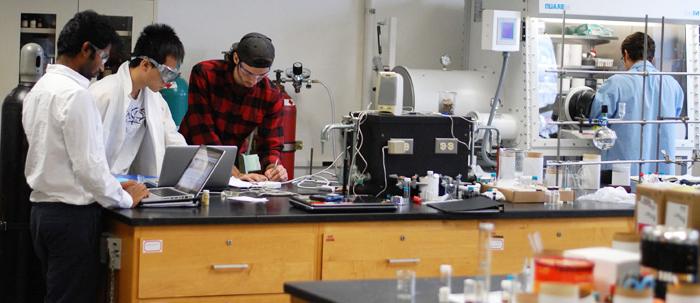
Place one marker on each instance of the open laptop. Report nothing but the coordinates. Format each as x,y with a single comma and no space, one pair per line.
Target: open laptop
175,162
192,181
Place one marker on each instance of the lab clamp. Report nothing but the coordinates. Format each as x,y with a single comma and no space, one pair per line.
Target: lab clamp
604,122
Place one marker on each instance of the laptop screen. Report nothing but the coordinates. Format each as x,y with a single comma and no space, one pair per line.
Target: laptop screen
199,170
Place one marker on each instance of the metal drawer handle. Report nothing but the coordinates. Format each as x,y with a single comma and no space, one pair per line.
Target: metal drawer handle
229,266
403,261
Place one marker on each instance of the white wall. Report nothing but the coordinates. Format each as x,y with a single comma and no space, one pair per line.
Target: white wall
427,30
327,36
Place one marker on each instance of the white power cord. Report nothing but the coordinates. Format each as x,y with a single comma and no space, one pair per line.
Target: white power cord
384,166
452,131
325,183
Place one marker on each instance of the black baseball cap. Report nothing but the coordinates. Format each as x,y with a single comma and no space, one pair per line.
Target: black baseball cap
256,50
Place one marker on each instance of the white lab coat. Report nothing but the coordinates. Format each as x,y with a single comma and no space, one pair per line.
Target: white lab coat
112,100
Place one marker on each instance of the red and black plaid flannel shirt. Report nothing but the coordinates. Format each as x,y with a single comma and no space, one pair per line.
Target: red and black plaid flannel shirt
222,112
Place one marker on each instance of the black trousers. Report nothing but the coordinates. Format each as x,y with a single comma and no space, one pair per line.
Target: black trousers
66,241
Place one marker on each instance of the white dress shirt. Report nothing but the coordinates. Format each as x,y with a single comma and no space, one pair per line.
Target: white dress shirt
66,157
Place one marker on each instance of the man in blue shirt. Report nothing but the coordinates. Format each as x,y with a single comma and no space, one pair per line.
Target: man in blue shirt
628,89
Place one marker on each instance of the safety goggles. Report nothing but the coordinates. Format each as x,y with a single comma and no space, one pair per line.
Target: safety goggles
167,73
252,74
104,56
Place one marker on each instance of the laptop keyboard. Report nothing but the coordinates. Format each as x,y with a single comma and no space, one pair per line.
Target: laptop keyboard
166,192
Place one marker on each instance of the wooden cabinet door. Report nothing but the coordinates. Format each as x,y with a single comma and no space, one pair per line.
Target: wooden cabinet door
557,234
225,260
376,250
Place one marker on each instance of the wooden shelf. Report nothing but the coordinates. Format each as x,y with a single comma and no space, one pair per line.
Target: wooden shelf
594,40
38,30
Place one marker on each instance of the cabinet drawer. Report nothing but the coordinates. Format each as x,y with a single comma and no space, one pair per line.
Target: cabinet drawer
377,250
225,260
281,298
557,234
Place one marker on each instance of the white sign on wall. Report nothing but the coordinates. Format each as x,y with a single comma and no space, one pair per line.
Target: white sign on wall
636,9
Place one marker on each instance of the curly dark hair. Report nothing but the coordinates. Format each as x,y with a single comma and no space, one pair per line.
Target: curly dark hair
86,26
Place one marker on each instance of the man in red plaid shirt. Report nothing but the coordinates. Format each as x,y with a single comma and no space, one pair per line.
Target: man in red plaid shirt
228,99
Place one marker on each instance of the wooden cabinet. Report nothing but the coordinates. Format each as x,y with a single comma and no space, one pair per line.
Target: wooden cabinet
221,260
557,234
251,262
376,250
278,298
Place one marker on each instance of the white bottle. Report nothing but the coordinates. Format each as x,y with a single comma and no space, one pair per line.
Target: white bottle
446,276
444,295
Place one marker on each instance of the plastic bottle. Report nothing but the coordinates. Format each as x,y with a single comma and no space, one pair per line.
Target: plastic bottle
205,197
407,190
506,291
469,291
444,295
446,276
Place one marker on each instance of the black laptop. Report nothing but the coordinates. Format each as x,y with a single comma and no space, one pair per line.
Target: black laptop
356,204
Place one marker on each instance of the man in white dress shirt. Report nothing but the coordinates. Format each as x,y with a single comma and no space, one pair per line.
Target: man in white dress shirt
138,125
66,166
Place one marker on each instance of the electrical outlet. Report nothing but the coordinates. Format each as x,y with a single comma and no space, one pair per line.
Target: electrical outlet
114,250
446,146
400,146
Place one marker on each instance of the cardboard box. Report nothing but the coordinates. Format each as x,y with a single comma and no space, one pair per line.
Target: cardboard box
682,207
528,196
650,208
611,265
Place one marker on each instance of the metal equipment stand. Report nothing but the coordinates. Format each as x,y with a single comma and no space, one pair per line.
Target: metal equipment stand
592,122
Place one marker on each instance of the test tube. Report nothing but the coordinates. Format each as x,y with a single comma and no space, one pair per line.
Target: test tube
484,260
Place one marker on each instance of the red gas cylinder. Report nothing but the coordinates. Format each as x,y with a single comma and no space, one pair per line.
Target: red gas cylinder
289,129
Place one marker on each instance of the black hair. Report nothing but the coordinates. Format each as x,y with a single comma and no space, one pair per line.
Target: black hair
85,26
158,41
634,45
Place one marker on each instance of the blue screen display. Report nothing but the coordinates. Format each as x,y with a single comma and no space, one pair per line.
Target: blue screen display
507,30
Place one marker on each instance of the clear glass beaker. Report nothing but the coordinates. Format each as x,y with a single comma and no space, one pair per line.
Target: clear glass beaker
405,285
446,102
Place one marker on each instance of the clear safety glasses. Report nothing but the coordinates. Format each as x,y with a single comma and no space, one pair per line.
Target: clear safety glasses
167,73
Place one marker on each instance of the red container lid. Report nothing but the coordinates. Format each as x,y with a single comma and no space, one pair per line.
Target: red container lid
565,264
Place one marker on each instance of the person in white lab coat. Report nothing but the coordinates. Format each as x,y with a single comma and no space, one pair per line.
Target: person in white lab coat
66,166
137,122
